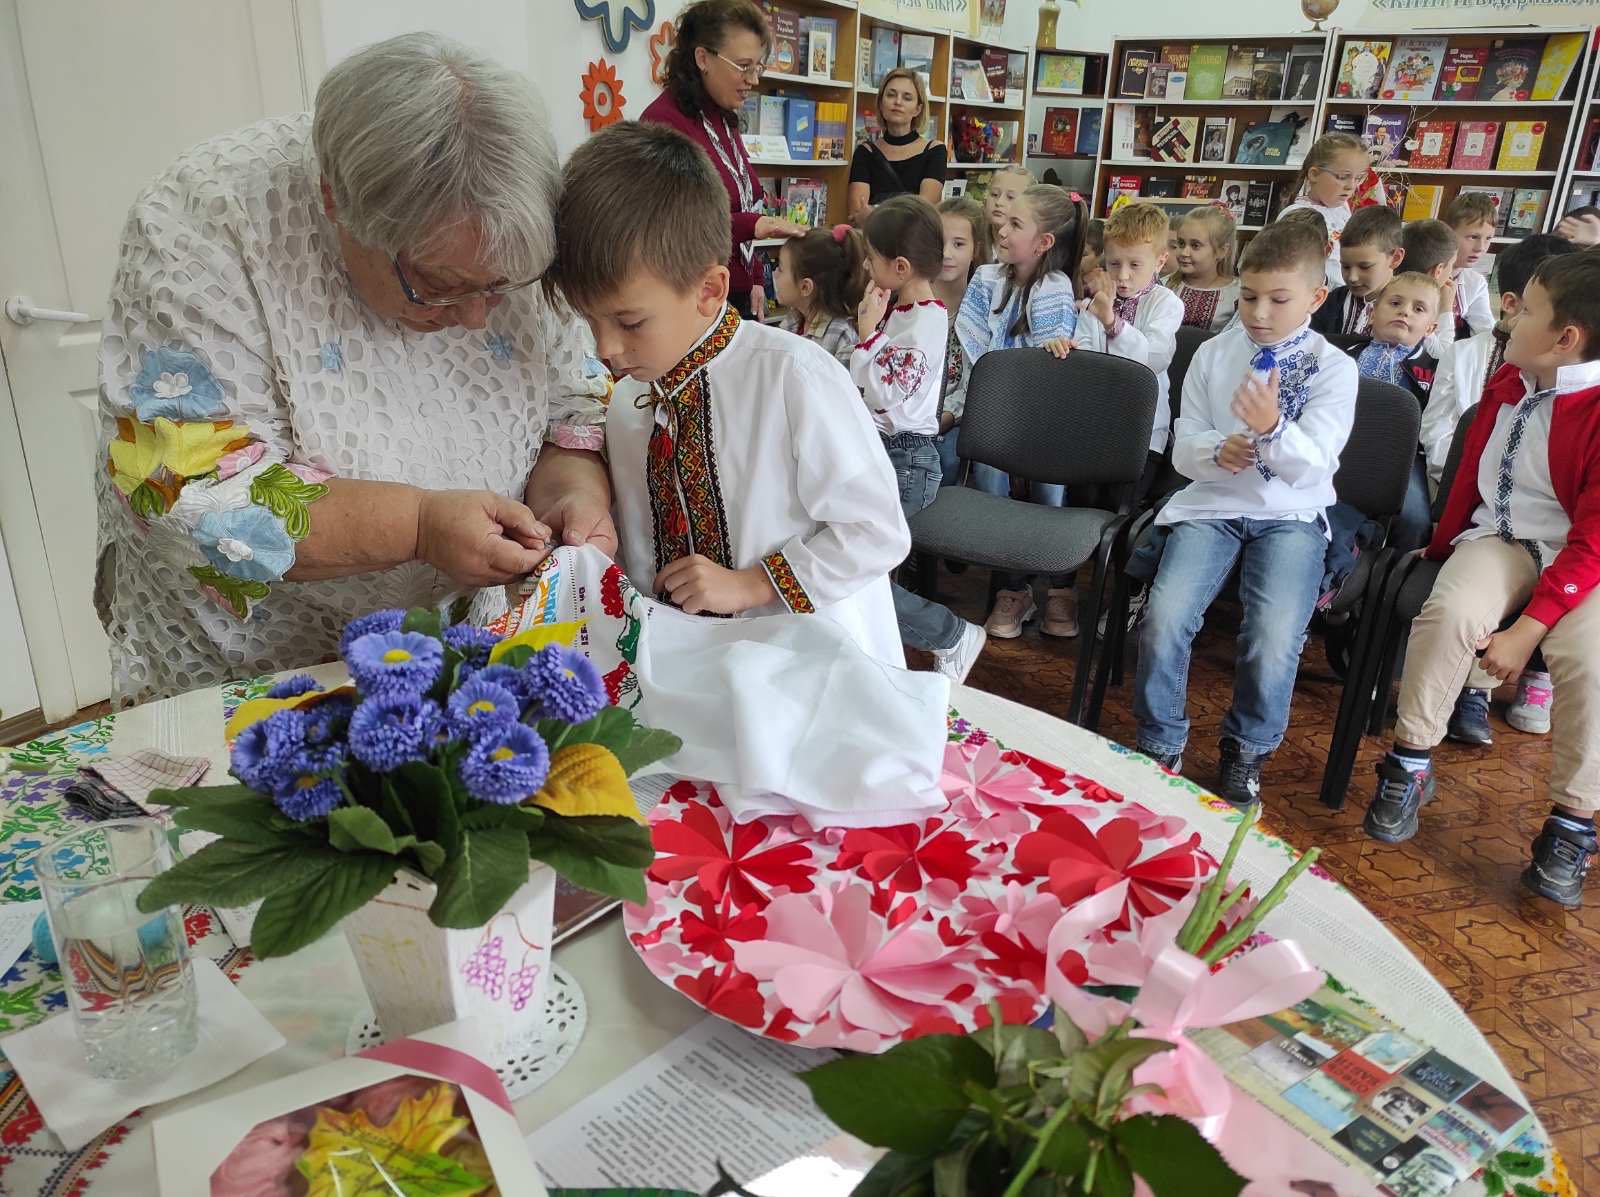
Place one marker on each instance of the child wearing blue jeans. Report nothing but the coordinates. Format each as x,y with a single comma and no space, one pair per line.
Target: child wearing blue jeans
1267,407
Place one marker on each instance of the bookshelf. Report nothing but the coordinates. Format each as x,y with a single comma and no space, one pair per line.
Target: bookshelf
1580,183
1010,113
1049,102
935,46
1243,83
1460,69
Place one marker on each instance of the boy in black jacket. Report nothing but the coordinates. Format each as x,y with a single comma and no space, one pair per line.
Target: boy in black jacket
1369,254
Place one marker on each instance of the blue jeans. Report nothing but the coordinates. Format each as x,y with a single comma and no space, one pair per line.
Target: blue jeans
997,482
924,623
1279,577
949,456
1413,524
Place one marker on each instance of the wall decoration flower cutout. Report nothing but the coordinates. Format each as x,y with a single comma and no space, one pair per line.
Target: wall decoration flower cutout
618,19
601,95
661,43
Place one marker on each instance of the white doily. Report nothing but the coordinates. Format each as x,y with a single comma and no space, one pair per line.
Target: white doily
533,1061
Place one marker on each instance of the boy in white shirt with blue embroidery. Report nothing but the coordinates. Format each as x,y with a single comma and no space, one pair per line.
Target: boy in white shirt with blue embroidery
1267,407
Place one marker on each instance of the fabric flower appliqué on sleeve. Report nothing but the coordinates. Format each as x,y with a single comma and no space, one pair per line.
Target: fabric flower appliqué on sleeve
246,542
175,383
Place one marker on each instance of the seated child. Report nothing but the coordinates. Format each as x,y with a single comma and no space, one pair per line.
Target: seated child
1005,189
1581,226
1430,248
1519,534
746,475
1464,370
1369,254
897,366
1204,280
1333,167
966,247
820,278
1267,407
1471,216
1404,313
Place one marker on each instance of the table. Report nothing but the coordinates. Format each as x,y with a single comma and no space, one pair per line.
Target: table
315,996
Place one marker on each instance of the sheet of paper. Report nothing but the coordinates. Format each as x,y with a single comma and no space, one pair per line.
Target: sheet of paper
715,1093
16,930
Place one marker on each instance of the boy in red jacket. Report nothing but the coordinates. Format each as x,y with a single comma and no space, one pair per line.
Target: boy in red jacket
1520,532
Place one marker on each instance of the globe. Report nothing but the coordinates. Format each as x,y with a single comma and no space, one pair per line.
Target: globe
1316,10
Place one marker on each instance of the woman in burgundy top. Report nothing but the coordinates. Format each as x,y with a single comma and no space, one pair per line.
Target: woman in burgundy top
718,59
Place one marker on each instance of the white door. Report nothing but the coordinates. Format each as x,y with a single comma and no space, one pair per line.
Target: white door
96,98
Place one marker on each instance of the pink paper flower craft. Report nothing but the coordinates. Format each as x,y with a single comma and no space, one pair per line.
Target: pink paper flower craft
989,792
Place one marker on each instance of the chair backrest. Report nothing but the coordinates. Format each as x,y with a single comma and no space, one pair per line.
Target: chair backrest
1452,461
1375,466
1085,419
1190,338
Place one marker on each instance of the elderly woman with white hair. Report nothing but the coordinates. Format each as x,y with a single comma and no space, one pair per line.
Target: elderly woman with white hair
327,383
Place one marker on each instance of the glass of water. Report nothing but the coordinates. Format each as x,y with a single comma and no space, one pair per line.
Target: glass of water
127,973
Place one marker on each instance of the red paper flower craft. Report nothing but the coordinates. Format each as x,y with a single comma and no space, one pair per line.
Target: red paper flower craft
910,856
718,926
741,861
1080,862
729,993
660,46
601,95
1055,780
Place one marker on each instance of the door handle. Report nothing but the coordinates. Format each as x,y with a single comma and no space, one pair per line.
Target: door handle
21,311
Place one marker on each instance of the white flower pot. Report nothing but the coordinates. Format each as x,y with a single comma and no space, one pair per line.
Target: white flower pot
419,975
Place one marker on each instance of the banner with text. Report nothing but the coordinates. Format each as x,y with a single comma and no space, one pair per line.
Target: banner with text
948,16
1398,15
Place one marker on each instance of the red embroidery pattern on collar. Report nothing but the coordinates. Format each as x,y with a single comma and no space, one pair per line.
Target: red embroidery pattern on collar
787,585
699,357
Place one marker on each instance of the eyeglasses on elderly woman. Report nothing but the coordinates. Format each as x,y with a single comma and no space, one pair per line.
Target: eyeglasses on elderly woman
428,295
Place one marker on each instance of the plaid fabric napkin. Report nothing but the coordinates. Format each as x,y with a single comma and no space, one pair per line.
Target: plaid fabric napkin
120,788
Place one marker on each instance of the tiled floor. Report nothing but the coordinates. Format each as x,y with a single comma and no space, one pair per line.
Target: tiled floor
1527,971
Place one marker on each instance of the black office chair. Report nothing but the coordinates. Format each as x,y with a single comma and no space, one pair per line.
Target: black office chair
1080,421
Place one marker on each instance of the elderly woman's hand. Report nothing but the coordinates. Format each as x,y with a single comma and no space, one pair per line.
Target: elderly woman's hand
479,538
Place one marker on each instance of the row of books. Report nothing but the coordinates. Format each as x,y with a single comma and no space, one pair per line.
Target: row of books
1518,210
801,45
997,77
1248,202
974,140
1069,133
1587,149
1283,139
1395,140
887,49
804,201
809,129
1215,71
1507,70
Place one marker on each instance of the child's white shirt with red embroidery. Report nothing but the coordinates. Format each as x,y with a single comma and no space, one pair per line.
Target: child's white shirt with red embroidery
900,368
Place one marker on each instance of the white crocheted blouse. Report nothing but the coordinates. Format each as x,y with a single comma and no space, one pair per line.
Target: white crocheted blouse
239,370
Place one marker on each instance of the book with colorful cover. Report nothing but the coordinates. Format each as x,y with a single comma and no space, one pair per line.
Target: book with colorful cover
1348,123
818,37
1462,72
1475,142
1384,135
800,126
1089,123
1361,67
805,202
1060,74
832,123
1500,197
1216,135
1561,52
1413,69
916,54
785,25
1174,139
1144,128
1207,65
1060,132
1240,73
1233,197
885,52
1123,189
1265,144
1512,67
1297,119
1199,187
1266,80
864,62
1422,202
1176,55
1520,146
1435,140
996,69
1135,72
1526,213
967,80
1399,1112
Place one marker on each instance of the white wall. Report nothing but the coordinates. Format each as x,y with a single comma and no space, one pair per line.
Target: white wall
17,693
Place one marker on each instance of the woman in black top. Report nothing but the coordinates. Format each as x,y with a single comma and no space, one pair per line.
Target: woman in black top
900,160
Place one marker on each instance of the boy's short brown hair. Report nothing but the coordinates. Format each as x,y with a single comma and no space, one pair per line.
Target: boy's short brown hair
1309,217
601,241
1137,224
1469,208
1413,278
1573,284
1428,244
1377,225
1288,245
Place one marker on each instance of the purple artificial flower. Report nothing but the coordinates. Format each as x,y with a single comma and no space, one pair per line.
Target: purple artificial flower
564,684
514,680
388,730
507,763
294,687
395,662
474,644
328,719
265,753
364,625
479,704
309,797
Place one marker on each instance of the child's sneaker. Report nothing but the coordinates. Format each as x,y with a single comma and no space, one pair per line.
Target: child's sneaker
1172,762
1239,776
1012,609
1469,722
1530,710
1402,792
1560,863
955,663
1060,613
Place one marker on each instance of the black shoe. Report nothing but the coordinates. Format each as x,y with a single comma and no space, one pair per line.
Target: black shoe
1172,762
1239,776
1392,815
1469,722
1560,863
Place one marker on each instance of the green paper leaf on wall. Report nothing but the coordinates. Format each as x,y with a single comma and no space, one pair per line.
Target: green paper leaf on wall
293,917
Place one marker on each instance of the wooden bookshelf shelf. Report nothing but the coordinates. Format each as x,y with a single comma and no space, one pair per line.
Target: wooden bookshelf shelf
1499,105
980,165
1387,168
1197,168
959,103
805,81
1219,103
809,162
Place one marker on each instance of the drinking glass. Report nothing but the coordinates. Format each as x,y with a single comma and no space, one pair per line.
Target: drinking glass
127,973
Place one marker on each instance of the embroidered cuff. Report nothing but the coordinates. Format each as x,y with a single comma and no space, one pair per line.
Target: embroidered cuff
1267,438
870,341
1115,331
787,585
577,436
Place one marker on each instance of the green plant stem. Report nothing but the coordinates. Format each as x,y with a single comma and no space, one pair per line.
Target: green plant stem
1247,926
1203,917
1234,895
1036,1156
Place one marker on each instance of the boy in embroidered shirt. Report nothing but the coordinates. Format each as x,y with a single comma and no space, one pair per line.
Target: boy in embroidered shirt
1369,254
1267,407
1520,533
1430,248
747,477
1471,216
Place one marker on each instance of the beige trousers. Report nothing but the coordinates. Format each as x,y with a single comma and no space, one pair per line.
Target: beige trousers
1482,583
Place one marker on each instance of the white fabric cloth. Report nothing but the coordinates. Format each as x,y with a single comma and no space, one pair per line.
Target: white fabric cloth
835,334
1302,454
777,464
1525,505
1472,298
900,368
1052,311
1337,218
1457,385
785,714
229,264
1150,338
